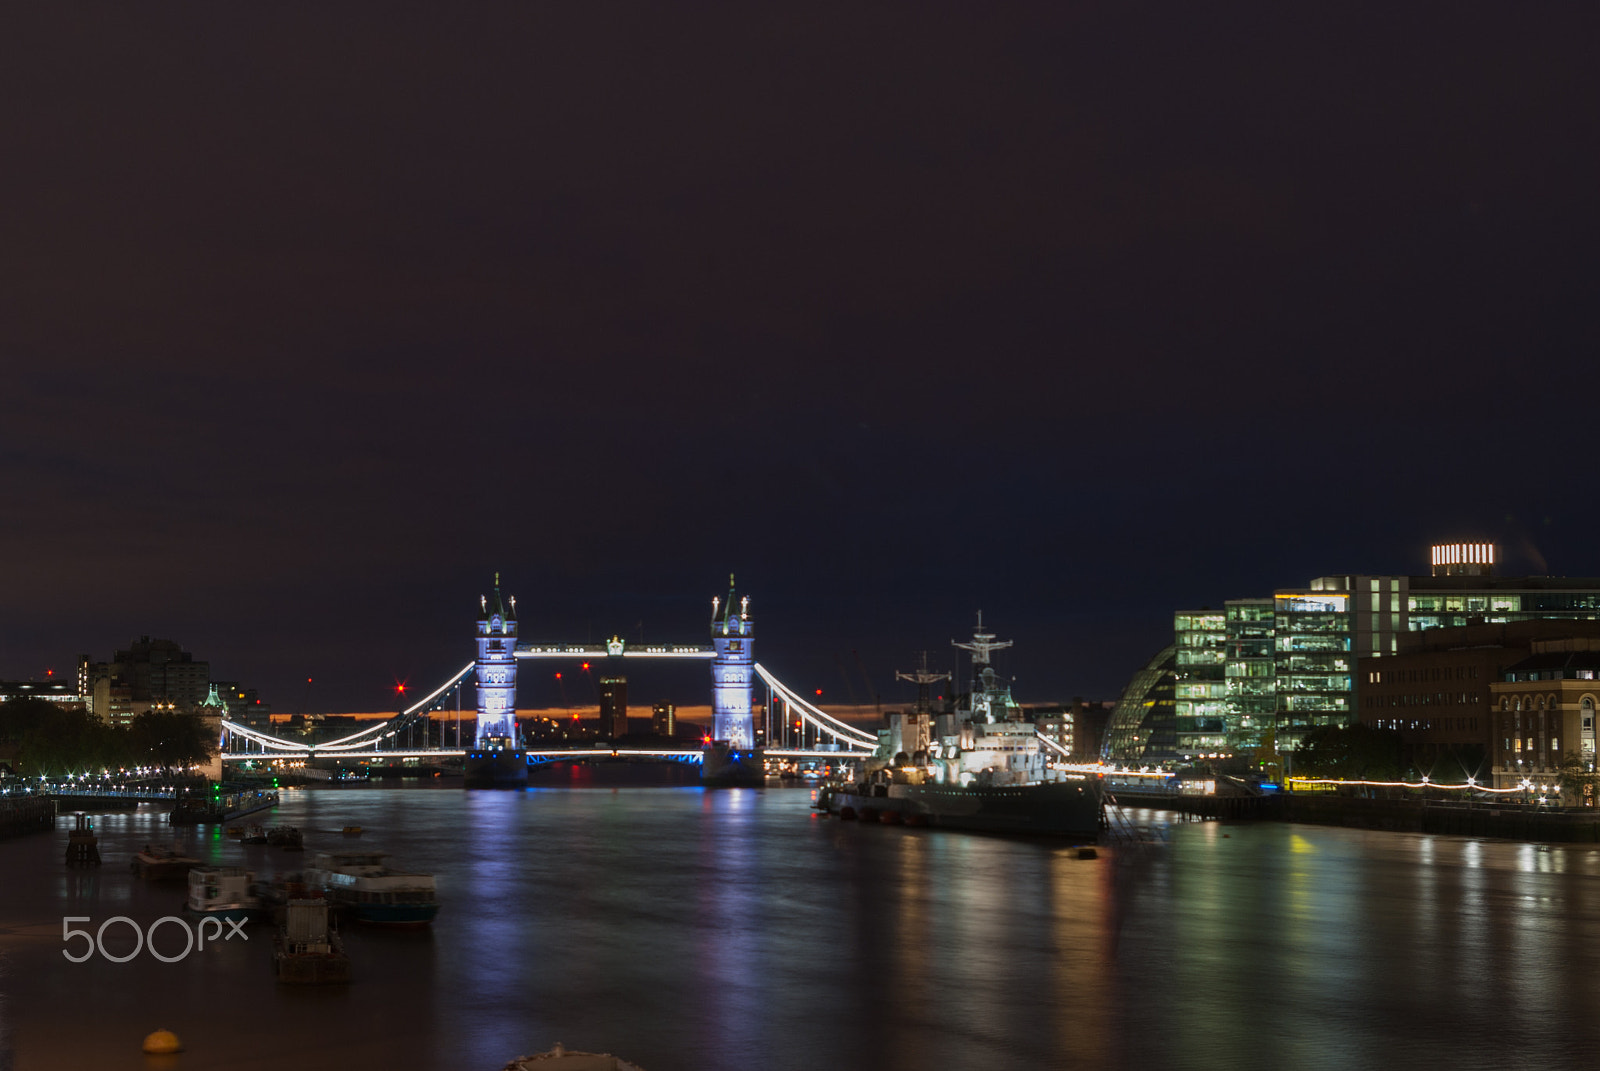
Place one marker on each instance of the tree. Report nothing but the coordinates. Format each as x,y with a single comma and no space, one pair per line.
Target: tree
1352,753
19,716
1580,783
170,740
42,738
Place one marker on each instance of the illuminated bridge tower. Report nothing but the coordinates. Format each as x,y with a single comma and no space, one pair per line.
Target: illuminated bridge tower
732,758
495,760
497,669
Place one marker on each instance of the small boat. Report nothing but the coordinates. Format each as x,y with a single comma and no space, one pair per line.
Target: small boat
221,806
159,862
564,1059
222,892
236,832
253,835
306,950
365,886
286,837
352,831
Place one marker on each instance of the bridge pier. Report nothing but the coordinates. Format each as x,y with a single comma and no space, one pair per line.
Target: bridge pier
732,758
496,760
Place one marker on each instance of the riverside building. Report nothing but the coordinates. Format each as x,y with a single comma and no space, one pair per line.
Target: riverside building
1286,665
147,672
1502,703
1142,727
1199,686
1543,718
58,692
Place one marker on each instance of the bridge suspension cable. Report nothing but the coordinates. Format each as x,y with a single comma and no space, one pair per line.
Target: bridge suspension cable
364,738
827,723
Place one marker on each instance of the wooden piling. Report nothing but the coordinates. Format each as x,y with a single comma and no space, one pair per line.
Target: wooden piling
82,845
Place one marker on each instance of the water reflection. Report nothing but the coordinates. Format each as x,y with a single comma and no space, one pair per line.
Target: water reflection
1370,947
725,930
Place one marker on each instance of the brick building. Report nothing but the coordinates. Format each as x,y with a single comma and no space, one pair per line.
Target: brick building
1441,692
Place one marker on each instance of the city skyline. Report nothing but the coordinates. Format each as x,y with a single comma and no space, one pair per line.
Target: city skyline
847,679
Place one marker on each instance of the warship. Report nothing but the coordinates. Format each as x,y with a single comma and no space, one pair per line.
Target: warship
979,764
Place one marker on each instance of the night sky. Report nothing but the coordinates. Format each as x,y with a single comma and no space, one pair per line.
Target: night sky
313,316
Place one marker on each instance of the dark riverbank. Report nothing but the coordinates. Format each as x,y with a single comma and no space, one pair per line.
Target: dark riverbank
1509,821
26,814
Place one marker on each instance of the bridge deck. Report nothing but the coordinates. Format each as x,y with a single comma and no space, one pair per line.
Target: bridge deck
692,754
598,651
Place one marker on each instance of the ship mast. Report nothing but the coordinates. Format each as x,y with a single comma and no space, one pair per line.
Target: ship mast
922,677
982,643
983,680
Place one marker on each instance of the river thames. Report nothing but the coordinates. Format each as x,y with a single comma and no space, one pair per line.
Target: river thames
685,929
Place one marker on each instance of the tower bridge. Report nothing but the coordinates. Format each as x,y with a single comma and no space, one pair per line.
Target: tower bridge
497,756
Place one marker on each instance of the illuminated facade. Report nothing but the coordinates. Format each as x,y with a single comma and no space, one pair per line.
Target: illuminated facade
51,691
497,670
1250,668
1313,666
732,671
1462,559
1288,663
1199,684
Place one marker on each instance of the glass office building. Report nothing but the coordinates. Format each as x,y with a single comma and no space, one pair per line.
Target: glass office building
1250,671
1140,730
1313,668
1278,668
1199,688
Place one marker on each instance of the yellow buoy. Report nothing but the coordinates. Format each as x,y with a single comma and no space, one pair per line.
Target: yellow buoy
162,1042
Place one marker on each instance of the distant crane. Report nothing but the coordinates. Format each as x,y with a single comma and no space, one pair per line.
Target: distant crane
851,692
877,699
